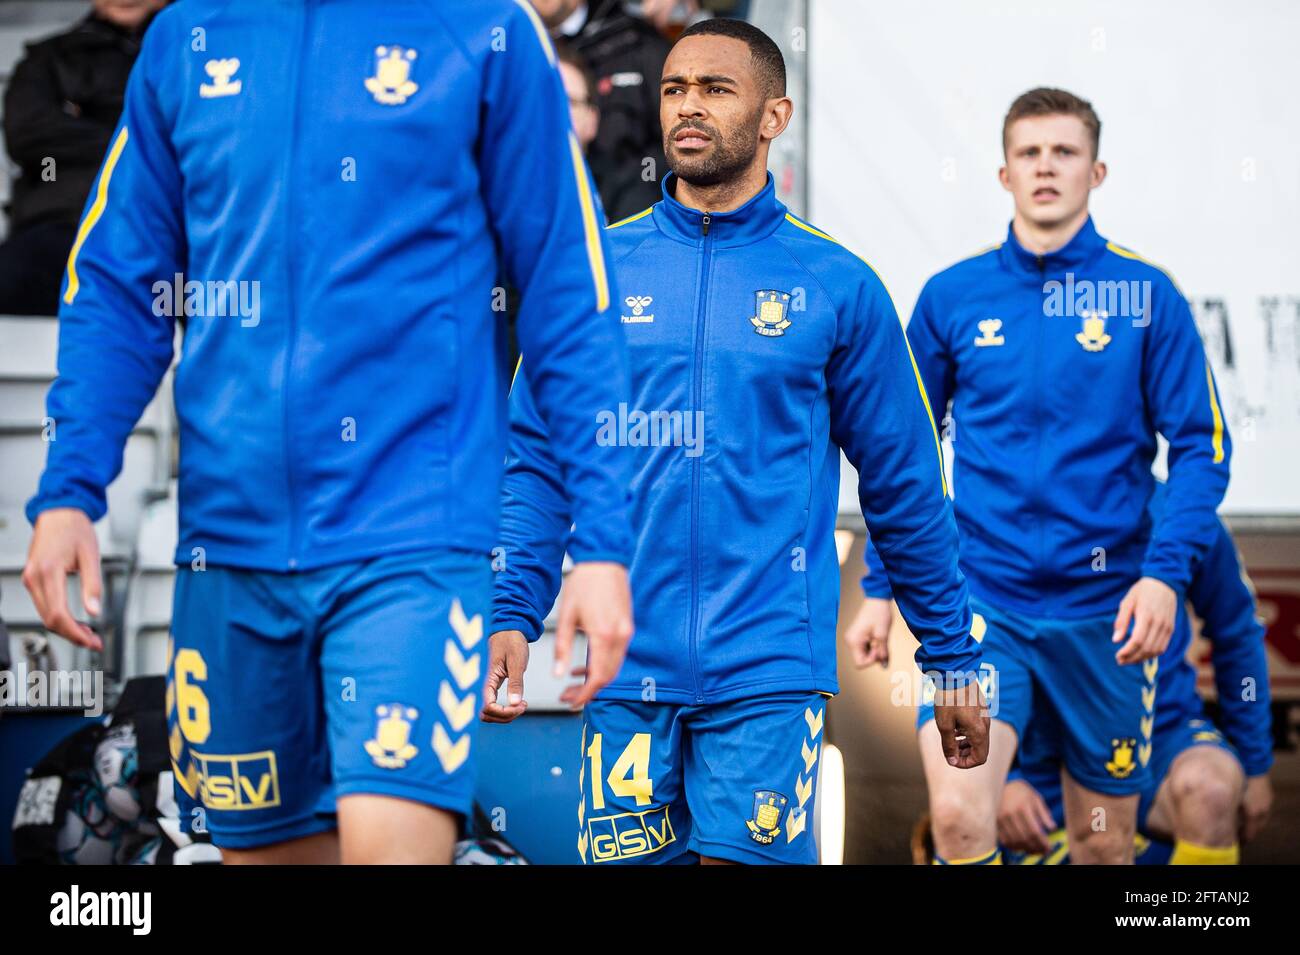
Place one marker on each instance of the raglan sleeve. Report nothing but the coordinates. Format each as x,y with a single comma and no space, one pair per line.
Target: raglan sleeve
114,344
1222,598
934,366
1184,406
548,224
535,522
880,416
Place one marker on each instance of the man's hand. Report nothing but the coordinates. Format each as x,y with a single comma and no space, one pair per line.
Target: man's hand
963,721
507,661
63,542
1150,606
1256,806
597,601
1023,818
868,634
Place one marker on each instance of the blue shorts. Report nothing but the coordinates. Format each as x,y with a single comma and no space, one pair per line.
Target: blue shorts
288,690
1067,669
664,783
1040,767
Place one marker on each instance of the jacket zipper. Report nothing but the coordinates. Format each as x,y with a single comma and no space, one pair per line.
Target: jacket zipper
290,290
702,311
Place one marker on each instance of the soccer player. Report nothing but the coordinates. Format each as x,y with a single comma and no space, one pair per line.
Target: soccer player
760,347
1063,355
319,192
1206,793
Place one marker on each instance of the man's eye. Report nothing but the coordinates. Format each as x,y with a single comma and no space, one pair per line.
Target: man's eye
718,89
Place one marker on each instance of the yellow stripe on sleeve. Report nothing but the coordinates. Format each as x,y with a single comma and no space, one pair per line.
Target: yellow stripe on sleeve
93,214
543,37
920,385
595,252
1217,440
640,215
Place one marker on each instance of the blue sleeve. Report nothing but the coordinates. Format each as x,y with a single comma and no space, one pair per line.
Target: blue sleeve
880,417
534,522
114,346
930,352
935,368
1223,599
548,225
1183,403
876,582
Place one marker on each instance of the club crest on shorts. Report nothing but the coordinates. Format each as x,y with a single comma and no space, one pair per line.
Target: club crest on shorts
771,312
1121,764
391,85
766,824
392,747
1093,337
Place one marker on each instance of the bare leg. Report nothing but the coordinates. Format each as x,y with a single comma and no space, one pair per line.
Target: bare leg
964,802
322,848
383,830
1199,798
1101,826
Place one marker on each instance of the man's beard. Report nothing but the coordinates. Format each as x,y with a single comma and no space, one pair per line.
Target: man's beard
730,155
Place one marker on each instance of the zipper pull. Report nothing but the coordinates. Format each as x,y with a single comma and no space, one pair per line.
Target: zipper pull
705,222
1042,263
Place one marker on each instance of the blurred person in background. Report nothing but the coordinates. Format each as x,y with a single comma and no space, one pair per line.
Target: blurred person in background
339,479
626,54
62,104
1064,561
580,87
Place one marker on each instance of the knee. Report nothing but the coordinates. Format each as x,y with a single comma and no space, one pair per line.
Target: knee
1207,788
961,819
1102,846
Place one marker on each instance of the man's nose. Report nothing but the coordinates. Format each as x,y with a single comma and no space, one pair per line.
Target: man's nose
692,104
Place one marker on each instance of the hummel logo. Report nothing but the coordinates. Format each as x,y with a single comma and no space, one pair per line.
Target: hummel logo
989,329
221,71
638,304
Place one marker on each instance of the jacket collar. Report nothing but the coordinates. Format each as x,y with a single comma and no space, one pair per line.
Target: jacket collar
756,219
1085,245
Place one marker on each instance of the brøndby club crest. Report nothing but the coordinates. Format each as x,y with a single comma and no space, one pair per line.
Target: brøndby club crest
771,312
392,747
1121,763
766,824
391,84
1093,337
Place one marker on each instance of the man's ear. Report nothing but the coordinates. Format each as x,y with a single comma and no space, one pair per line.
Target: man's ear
1004,177
1098,173
776,117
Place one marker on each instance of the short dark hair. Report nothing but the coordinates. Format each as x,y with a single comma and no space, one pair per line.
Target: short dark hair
1045,101
768,61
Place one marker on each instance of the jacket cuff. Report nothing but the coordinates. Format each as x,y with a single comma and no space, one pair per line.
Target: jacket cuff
1177,574
875,585
953,671
85,503
607,538
509,620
